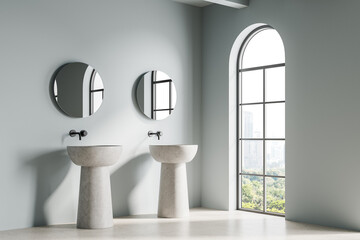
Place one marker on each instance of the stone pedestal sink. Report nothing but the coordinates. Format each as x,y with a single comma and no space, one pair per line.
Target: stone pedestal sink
173,194
95,205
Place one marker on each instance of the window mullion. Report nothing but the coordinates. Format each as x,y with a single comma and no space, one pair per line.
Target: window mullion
239,131
264,184
262,67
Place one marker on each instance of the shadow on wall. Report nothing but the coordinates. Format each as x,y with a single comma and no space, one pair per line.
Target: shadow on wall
51,170
126,179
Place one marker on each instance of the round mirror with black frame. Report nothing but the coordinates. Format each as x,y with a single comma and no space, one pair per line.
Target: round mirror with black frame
77,89
156,95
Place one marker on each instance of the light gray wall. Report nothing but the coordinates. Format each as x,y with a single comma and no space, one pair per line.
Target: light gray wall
322,105
38,183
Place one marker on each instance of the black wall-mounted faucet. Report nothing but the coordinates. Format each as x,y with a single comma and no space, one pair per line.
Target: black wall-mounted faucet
158,134
82,133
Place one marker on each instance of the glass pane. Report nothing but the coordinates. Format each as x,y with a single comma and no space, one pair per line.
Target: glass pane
275,158
162,95
159,115
252,192
161,76
252,86
275,195
275,120
275,84
264,48
252,121
252,156
239,196
97,100
98,83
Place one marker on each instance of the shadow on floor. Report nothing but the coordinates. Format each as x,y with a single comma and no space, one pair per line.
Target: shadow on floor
51,169
124,180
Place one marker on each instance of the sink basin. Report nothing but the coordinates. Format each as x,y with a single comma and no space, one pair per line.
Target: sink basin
95,205
173,193
173,153
95,156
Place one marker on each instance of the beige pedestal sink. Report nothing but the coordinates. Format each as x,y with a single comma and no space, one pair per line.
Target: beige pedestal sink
173,194
95,205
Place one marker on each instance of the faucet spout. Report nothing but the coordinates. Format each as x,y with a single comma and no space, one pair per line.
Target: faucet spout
158,134
82,133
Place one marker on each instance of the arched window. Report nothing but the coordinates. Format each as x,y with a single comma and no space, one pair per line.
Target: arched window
96,92
261,122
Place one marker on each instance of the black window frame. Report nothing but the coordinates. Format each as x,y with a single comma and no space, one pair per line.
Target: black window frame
154,82
92,90
239,137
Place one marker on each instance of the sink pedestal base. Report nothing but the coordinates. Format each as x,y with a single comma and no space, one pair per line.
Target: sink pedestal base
95,205
173,195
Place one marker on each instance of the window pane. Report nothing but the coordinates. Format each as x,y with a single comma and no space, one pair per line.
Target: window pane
275,195
239,187
159,115
264,48
252,156
252,192
252,86
252,121
98,83
97,100
275,120
275,84
275,158
162,95
161,76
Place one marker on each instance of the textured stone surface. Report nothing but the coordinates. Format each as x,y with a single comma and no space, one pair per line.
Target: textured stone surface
173,194
95,204
95,156
173,153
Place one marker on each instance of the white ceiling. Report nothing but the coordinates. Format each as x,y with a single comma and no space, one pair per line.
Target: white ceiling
228,3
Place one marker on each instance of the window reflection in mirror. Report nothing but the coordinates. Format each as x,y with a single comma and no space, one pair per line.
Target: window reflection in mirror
156,95
96,92
78,90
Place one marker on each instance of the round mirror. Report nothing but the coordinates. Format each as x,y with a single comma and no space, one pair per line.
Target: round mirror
78,89
156,95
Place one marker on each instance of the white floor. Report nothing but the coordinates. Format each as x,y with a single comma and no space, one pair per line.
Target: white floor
202,224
